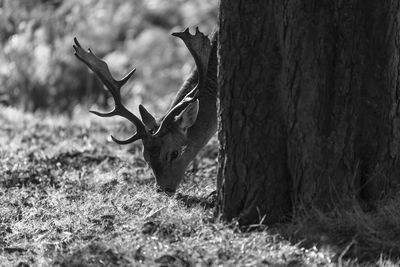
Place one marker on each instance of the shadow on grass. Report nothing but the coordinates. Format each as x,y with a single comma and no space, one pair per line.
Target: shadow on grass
77,159
95,254
369,237
98,254
38,170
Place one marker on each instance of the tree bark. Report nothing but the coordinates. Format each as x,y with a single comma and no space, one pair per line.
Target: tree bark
251,132
309,109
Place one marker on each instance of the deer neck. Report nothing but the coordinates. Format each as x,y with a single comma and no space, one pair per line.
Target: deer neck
206,123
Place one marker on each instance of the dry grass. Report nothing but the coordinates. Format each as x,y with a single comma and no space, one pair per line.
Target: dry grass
70,198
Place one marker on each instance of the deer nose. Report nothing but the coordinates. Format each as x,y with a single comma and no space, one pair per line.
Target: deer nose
168,191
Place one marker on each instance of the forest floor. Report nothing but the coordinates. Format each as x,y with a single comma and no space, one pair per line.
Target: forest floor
70,197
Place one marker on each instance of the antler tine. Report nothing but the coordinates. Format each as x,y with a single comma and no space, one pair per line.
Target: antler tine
199,47
131,139
100,68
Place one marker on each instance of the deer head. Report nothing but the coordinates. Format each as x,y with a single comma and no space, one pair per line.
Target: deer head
169,143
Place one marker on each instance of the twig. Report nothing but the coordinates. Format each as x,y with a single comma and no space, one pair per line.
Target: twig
346,249
154,213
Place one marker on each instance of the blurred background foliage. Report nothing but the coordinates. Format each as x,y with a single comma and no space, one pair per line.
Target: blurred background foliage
38,71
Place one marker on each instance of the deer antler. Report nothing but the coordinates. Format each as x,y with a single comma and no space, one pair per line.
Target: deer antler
200,48
100,68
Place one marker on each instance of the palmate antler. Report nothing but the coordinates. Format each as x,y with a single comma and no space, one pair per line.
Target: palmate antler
100,68
200,48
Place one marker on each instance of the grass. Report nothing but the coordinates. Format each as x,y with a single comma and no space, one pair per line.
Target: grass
70,197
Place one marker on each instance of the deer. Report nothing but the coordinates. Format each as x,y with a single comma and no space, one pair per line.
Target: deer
172,141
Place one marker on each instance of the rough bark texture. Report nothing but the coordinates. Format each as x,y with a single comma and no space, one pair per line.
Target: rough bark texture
253,151
309,105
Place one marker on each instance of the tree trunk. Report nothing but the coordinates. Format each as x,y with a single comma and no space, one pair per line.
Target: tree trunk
309,109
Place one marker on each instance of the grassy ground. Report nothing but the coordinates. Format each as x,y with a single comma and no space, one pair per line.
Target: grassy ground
70,197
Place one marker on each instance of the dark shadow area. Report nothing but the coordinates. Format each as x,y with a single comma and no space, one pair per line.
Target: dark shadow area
78,159
95,254
36,169
365,236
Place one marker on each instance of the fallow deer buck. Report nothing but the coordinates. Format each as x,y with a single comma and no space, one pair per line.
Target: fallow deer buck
172,142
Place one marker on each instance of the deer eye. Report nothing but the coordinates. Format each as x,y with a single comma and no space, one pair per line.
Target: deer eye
174,154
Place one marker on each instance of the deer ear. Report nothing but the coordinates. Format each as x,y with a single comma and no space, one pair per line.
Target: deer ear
148,120
188,116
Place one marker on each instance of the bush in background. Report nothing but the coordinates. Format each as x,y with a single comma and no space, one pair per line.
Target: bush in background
39,72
